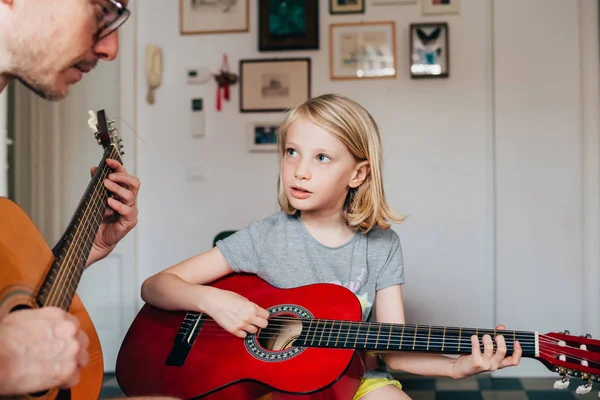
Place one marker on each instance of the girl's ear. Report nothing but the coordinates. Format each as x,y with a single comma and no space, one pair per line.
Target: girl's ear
361,172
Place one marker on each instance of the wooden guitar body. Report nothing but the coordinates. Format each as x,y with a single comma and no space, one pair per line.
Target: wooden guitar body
25,260
32,275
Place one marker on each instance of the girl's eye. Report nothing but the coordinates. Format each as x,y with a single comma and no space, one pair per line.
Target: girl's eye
323,158
291,152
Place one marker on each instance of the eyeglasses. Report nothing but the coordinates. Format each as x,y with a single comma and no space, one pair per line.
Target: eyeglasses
111,16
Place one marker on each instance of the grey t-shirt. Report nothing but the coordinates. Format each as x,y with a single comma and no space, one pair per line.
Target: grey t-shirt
280,250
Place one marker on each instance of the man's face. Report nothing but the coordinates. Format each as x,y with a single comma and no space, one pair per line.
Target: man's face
53,42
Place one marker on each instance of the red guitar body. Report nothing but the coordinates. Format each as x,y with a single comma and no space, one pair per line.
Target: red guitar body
219,365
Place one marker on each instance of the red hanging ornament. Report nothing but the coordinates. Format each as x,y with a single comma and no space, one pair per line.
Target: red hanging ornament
224,79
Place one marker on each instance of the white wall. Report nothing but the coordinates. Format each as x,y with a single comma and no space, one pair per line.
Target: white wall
488,164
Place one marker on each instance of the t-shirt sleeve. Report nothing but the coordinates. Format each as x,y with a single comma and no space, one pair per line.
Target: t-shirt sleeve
392,271
242,248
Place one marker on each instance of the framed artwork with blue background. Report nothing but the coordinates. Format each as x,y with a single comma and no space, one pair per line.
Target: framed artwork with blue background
429,50
262,136
288,25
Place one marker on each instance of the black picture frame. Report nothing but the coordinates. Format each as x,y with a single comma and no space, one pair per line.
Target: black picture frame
291,78
433,62
306,36
349,10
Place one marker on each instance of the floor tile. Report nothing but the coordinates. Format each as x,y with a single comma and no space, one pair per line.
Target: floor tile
504,395
457,384
458,395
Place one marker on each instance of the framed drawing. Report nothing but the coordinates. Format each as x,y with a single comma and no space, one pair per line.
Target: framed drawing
441,6
288,25
362,50
262,136
393,2
213,16
271,85
429,50
346,6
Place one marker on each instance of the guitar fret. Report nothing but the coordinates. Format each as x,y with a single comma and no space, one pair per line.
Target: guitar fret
459,338
314,333
428,337
322,331
415,341
330,330
443,338
377,341
402,335
367,335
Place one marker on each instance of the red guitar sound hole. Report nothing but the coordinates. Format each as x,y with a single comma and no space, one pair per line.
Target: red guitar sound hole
275,342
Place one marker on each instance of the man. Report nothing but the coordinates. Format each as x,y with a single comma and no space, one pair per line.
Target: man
49,45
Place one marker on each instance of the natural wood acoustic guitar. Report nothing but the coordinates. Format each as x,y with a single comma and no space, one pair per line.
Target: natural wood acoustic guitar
32,275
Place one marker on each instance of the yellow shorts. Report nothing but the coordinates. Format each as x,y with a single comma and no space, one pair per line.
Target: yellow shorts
367,385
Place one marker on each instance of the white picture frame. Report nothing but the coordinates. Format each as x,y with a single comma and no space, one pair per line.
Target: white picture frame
262,136
196,17
436,7
362,50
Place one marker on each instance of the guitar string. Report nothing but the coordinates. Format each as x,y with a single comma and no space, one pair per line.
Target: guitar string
68,273
97,199
69,270
57,292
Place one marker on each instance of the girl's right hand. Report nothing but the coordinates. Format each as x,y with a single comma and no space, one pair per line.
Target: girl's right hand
236,314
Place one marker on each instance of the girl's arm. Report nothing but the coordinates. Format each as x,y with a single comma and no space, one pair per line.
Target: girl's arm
181,287
389,308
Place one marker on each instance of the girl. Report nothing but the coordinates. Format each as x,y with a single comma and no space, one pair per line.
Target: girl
333,227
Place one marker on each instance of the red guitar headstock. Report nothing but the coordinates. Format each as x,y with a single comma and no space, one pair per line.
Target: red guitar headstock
571,356
106,133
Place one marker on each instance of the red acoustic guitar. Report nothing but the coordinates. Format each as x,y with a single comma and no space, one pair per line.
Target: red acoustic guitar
309,349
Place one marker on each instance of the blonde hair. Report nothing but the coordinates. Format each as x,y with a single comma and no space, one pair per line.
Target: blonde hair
365,206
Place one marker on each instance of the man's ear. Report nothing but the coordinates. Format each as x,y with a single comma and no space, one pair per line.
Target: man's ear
361,172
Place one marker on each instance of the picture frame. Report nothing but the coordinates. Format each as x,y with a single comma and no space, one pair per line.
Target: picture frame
362,50
289,25
274,84
346,7
429,50
440,6
393,2
262,136
200,17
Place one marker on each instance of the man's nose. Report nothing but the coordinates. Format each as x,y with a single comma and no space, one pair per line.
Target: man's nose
107,48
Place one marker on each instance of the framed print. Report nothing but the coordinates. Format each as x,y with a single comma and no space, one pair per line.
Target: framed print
441,6
393,2
347,6
288,25
262,136
213,16
429,50
362,50
270,85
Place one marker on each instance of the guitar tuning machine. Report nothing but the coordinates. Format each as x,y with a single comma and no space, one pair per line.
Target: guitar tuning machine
564,382
566,332
587,386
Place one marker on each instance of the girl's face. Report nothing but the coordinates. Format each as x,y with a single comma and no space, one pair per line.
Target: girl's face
318,169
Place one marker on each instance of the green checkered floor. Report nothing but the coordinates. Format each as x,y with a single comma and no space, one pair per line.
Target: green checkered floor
477,388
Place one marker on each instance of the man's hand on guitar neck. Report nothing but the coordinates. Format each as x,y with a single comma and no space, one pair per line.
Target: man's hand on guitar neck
40,349
121,215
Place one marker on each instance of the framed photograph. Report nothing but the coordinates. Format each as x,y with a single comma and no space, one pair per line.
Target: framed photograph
213,16
393,2
346,6
429,50
262,136
441,6
271,85
362,50
288,25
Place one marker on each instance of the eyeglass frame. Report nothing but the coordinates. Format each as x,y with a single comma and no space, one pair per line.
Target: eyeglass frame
104,31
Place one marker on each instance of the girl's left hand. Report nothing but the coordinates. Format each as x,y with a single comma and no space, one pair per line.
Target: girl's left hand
478,362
